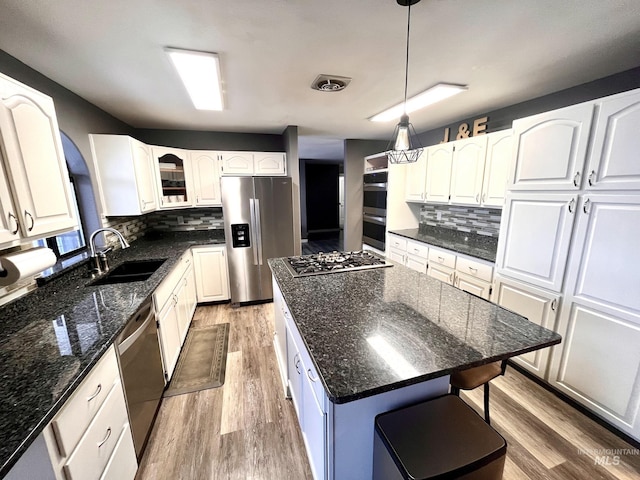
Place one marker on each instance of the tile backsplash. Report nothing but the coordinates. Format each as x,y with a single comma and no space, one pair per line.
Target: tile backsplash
185,220
479,220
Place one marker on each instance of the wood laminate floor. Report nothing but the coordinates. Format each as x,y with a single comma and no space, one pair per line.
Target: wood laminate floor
246,429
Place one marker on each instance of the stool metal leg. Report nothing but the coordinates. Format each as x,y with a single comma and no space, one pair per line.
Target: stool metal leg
486,403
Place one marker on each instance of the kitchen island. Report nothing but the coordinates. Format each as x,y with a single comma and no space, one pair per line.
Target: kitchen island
364,342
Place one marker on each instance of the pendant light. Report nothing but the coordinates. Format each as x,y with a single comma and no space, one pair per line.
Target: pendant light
405,147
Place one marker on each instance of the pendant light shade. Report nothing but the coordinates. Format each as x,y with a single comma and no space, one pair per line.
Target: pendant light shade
405,147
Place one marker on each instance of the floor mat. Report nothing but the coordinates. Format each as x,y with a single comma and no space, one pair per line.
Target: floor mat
202,362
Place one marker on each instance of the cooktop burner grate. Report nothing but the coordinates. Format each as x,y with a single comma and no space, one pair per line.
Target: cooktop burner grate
334,262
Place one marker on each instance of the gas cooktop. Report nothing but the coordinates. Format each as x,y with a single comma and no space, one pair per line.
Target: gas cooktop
334,262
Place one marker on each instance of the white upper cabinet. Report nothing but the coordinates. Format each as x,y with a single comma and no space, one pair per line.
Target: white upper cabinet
534,237
467,170
439,164
269,164
614,162
9,226
497,166
125,172
172,172
253,163
205,172
550,149
416,178
35,165
237,163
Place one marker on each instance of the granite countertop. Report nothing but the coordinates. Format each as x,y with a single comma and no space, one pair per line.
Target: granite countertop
51,338
479,246
431,328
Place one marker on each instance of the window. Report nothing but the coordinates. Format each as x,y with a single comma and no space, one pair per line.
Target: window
70,243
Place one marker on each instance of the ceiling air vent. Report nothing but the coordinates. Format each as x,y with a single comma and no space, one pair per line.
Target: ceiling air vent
330,83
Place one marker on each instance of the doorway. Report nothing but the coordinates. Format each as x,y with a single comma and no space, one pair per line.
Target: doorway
322,204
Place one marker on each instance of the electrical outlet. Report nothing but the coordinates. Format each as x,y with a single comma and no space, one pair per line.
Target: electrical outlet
180,220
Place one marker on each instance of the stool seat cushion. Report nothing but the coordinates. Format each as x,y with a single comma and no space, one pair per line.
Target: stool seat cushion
439,438
474,377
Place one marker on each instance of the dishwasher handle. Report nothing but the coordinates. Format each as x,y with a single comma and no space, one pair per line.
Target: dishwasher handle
125,343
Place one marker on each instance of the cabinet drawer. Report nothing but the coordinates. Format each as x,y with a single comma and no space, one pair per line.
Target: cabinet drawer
418,249
123,464
475,268
442,257
444,274
76,414
165,289
94,449
398,243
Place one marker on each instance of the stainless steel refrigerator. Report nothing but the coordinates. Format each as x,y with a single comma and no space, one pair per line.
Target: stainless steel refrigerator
258,225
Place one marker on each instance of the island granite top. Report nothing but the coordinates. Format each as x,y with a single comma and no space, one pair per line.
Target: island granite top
52,337
473,244
377,330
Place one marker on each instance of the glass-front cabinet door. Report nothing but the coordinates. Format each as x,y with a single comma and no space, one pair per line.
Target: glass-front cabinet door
172,170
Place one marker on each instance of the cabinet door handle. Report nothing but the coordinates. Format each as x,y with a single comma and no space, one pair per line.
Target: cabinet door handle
576,179
585,206
484,197
477,198
592,178
297,363
33,222
106,437
441,259
311,376
452,278
554,304
473,270
96,393
15,220
571,205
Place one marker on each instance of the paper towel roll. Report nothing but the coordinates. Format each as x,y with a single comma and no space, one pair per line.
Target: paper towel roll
17,266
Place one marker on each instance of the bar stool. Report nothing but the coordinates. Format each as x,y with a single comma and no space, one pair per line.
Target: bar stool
439,439
474,377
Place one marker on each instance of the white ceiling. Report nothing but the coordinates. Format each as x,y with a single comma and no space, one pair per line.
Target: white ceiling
506,51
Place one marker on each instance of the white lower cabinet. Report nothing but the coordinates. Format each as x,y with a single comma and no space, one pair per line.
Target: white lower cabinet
538,306
212,278
280,335
90,438
122,463
338,437
175,303
598,364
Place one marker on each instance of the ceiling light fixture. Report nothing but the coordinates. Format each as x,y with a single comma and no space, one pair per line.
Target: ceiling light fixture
435,94
200,73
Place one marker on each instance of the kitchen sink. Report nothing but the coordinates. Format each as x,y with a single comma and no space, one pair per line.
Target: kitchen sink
131,271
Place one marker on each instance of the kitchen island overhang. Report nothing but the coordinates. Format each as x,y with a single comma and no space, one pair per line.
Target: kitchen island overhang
355,325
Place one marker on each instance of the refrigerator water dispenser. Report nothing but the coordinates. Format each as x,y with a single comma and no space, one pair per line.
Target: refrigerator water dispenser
240,235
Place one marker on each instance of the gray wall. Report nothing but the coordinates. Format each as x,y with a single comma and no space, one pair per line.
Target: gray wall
200,140
354,153
290,137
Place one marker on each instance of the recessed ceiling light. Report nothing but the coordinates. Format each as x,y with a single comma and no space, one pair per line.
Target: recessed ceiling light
435,94
200,73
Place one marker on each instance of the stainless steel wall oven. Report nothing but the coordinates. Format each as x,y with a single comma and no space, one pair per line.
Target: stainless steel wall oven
374,209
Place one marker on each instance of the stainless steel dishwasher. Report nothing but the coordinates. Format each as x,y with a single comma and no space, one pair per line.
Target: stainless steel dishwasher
142,372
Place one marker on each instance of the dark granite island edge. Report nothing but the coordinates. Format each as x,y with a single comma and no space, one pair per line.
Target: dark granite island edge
439,328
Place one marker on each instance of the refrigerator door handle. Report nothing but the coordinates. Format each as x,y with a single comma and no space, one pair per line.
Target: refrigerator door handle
254,229
258,230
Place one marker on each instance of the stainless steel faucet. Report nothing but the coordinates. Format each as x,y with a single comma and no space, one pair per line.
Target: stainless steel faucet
99,259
